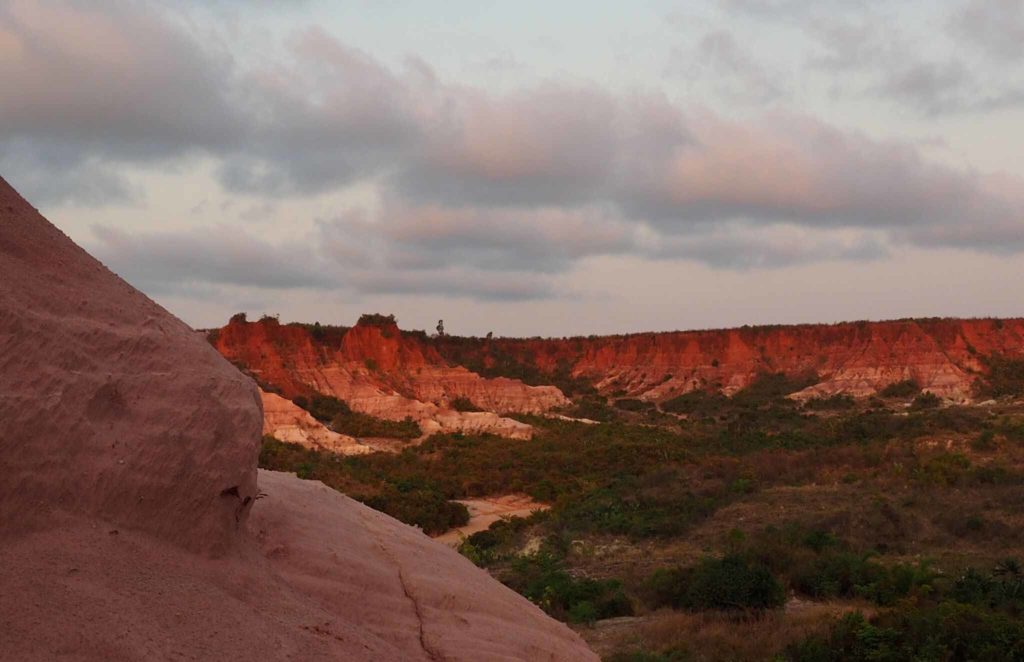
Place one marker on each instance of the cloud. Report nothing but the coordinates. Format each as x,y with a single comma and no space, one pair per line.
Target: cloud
738,246
541,240
877,58
116,79
550,144
995,27
737,75
483,194
458,283
324,116
790,9
168,261
90,86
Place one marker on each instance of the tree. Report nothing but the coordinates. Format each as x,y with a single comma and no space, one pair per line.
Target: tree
440,327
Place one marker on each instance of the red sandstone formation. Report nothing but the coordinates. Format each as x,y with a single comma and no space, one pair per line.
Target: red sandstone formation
286,421
134,525
378,370
944,356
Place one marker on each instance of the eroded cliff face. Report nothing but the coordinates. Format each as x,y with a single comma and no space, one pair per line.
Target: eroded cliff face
382,371
378,370
944,356
286,421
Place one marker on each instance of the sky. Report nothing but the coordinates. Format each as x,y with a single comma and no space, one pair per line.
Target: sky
530,168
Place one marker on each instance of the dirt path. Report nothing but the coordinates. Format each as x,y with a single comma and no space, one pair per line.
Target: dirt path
487,511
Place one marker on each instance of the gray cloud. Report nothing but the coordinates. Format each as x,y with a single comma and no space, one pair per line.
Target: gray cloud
737,75
551,144
479,189
114,79
51,171
456,282
930,87
876,58
541,240
737,246
168,261
996,27
792,9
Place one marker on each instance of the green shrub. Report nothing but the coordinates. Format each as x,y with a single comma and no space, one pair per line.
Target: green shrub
594,408
837,402
926,400
358,424
1005,377
947,631
697,403
422,507
323,408
731,582
984,442
944,469
907,388
632,404
543,580
376,319
463,404
485,547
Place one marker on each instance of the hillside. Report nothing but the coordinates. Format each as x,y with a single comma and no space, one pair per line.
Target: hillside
799,493
943,356
380,370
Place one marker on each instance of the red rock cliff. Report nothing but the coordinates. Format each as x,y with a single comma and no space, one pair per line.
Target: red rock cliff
944,356
379,370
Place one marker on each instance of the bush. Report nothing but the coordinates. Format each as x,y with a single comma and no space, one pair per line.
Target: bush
729,583
484,547
697,403
358,424
908,388
323,408
594,408
837,402
926,400
376,319
632,404
543,580
944,469
948,631
1005,377
464,404
423,507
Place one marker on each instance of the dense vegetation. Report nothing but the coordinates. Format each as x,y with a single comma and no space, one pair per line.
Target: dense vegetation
703,516
1005,377
339,417
508,359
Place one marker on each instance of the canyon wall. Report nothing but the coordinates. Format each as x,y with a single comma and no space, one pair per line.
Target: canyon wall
944,356
412,374
376,369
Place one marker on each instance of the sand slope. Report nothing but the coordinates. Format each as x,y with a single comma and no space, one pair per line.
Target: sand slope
132,526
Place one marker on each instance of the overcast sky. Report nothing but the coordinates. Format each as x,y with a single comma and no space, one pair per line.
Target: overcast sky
530,168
